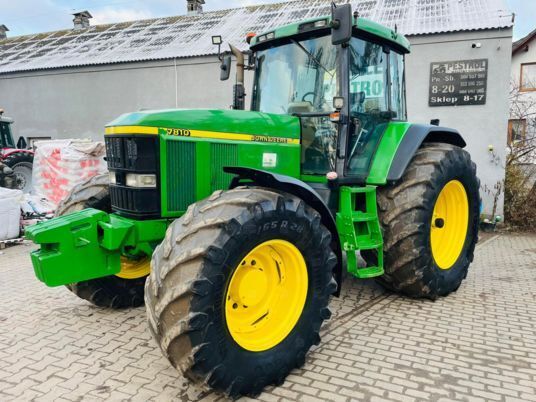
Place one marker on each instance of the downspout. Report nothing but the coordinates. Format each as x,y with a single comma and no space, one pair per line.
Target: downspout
239,94
176,84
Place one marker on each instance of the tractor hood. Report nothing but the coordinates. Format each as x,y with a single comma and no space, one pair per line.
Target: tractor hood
186,122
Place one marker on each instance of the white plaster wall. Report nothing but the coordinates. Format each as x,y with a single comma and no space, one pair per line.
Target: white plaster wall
480,125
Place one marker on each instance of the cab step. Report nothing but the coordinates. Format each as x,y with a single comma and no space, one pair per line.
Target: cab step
359,228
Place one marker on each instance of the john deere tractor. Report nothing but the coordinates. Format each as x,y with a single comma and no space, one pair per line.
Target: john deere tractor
233,225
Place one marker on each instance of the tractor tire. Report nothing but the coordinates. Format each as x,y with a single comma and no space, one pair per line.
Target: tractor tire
189,294
22,165
414,264
93,191
109,291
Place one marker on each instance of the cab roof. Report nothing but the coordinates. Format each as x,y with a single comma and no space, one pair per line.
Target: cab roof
380,32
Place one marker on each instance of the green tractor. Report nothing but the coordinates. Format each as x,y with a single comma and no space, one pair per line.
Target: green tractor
232,225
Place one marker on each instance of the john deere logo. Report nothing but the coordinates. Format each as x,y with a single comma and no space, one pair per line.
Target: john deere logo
263,138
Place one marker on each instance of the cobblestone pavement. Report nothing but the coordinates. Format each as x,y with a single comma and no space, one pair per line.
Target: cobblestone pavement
479,344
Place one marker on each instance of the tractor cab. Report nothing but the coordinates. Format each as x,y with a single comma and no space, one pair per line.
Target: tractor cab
6,138
345,96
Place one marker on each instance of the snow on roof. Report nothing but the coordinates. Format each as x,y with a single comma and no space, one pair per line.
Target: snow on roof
190,35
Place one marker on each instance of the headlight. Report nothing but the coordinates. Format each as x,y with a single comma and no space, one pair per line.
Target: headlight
113,180
141,180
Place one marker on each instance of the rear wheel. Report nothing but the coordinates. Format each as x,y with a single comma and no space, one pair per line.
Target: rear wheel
22,165
124,289
430,223
239,289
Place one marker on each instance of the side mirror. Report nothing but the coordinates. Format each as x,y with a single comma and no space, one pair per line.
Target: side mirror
341,23
225,68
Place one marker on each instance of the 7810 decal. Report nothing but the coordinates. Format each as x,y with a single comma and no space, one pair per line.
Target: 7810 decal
178,132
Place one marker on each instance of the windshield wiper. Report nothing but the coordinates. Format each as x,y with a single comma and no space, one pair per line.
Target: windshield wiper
308,53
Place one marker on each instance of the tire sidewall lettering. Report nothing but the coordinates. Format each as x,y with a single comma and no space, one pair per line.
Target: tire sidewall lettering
283,225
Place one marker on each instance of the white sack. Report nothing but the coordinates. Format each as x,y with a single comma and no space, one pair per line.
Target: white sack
10,201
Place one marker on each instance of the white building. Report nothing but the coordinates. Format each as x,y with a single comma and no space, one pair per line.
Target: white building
70,83
522,121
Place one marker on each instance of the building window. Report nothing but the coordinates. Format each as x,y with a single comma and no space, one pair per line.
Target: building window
517,129
528,77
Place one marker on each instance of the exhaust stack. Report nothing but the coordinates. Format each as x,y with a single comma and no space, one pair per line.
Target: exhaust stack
239,95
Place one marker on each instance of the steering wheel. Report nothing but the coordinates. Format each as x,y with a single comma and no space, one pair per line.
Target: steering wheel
306,95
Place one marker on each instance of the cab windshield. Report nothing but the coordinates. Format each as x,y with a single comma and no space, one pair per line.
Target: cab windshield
298,77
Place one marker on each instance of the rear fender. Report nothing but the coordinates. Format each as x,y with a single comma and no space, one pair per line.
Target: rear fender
300,189
416,135
398,146
8,151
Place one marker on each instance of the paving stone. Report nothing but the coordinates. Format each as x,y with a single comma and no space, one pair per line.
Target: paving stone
478,344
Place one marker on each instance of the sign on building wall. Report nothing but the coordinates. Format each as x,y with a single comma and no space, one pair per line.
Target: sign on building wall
458,83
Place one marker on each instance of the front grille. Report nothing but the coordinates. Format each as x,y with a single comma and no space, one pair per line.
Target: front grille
133,154
136,202
181,174
222,155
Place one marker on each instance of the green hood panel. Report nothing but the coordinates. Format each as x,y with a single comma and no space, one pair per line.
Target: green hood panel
226,121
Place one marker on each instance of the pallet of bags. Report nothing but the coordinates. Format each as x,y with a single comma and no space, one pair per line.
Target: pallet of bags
59,165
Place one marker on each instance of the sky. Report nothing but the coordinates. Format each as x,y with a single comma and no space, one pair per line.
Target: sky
24,17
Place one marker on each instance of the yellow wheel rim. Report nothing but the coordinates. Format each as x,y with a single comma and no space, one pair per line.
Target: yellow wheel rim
449,224
266,295
133,269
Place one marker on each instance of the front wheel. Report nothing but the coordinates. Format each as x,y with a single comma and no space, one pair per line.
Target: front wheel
430,223
239,288
124,289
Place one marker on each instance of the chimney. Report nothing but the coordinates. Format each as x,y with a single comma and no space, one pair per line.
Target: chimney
3,30
81,20
195,6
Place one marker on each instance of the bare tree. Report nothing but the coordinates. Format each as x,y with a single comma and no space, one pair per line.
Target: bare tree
522,108
520,183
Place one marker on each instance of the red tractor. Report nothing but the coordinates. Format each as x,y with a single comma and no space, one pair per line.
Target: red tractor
19,160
